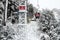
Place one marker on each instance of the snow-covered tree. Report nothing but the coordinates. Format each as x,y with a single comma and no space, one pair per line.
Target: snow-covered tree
12,7
48,23
30,11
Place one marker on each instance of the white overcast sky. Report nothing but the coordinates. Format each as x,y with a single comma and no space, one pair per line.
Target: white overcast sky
50,4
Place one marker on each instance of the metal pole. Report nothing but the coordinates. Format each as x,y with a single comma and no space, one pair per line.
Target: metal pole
6,10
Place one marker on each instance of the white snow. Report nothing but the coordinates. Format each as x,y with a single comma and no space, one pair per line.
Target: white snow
57,15
27,32
32,31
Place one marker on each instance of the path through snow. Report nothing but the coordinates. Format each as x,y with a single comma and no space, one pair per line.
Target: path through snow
29,32
32,31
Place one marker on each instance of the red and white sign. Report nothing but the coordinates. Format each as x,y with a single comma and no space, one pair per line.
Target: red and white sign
22,7
37,14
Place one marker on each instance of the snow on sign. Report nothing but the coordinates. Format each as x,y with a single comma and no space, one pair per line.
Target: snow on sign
22,7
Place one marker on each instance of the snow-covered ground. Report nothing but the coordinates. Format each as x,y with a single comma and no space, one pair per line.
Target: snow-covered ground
33,33
27,32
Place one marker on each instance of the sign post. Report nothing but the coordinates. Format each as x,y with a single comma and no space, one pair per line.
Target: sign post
22,19
23,12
